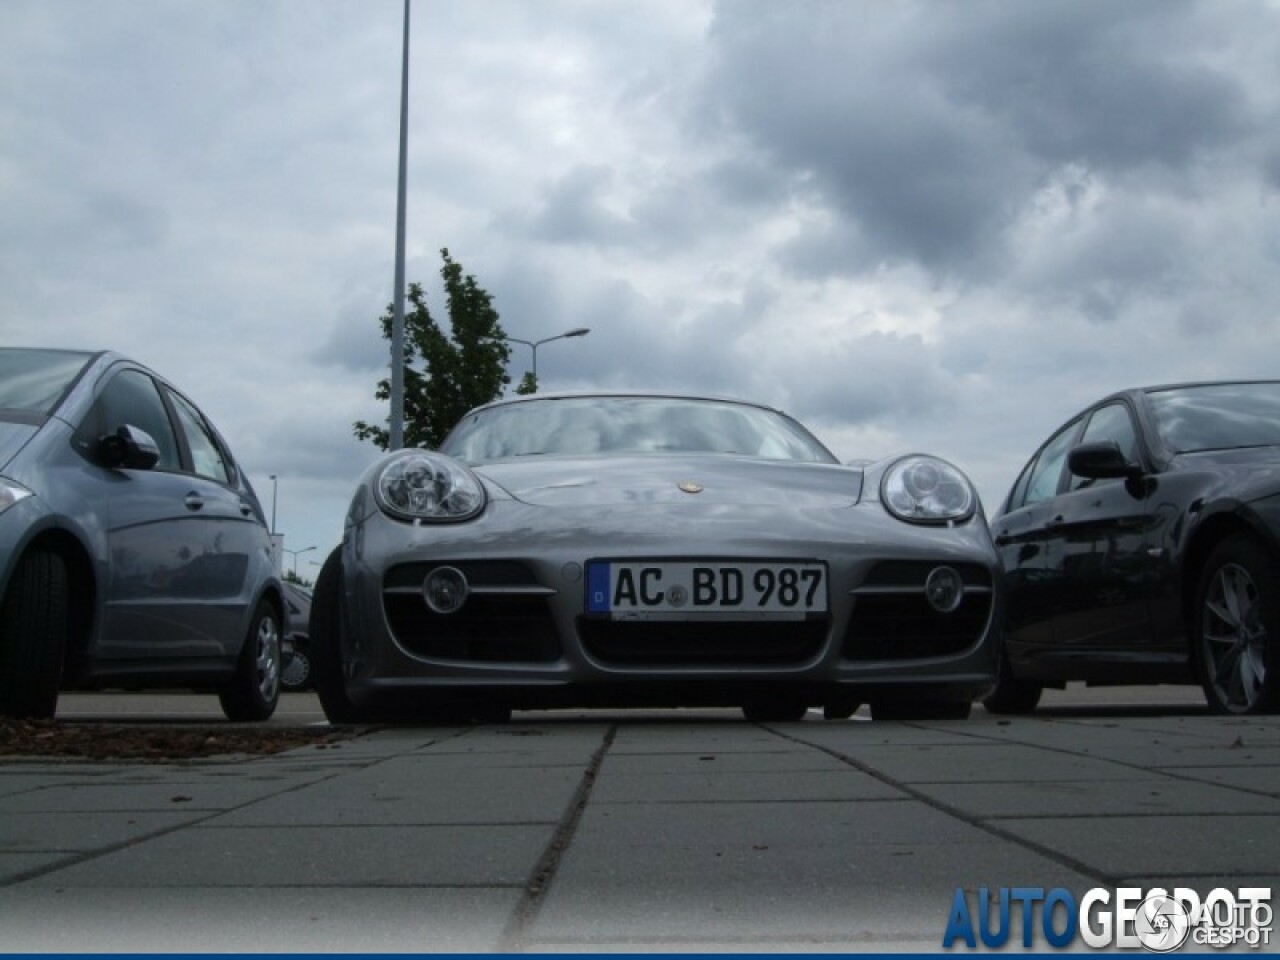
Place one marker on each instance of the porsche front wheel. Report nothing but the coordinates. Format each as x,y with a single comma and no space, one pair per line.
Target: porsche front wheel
328,671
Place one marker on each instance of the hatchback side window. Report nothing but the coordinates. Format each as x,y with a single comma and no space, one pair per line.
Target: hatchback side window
206,455
131,398
1113,423
1047,473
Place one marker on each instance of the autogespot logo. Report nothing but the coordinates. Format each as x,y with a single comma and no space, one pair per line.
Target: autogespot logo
1127,918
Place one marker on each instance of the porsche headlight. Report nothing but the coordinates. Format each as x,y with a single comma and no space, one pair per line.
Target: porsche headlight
922,489
421,485
11,493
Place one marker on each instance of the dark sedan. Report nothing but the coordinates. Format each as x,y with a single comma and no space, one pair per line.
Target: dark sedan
1141,544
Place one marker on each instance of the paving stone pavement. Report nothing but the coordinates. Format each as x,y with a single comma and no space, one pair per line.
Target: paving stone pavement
592,832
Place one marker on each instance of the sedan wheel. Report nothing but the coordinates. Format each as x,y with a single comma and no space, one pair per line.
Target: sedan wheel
1011,695
1238,626
255,690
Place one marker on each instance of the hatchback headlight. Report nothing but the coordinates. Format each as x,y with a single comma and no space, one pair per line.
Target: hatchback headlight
922,489
421,485
11,493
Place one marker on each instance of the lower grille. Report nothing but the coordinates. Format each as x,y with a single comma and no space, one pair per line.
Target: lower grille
505,627
892,620
717,643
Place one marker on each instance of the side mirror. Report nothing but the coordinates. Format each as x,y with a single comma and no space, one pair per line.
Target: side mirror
1101,461
129,448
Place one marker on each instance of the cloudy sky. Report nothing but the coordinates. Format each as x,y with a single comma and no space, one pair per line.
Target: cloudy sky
915,225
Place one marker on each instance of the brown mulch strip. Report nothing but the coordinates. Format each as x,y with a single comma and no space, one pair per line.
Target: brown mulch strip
153,744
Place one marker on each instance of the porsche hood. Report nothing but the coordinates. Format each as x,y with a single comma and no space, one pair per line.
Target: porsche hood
639,480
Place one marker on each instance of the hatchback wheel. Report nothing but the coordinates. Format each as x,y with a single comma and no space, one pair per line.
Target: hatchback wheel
33,636
1236,629
252,694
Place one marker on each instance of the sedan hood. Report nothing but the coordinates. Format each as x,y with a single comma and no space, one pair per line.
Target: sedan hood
13,437
639,480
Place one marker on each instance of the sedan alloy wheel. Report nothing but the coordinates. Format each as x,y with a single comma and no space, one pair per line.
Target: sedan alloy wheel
1238,635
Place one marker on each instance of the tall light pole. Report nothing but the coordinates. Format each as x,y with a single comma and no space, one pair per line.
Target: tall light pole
294,554
273,504
535,344
395,433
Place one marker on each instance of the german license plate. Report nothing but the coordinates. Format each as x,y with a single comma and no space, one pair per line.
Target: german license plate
640,590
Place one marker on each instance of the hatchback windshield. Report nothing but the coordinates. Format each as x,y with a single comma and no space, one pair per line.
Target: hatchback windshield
585,426
1218,416
35,380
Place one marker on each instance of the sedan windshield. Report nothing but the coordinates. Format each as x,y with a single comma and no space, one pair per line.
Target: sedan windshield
35,380
1218,416
584,426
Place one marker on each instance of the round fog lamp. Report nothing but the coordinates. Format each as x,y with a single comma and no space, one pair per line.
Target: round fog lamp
445,589
944,589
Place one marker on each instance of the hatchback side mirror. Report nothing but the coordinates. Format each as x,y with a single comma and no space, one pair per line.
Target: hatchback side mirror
1101,461
129,448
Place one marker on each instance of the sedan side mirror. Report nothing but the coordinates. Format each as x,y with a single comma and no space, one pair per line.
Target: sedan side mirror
129,448
1101,461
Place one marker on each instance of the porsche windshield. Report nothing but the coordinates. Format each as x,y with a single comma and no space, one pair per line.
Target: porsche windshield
35,380
588,426
1218,416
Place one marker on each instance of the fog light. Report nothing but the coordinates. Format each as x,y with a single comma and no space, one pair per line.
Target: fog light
944,589
445,589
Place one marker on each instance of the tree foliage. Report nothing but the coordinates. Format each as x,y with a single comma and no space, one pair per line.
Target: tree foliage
445,374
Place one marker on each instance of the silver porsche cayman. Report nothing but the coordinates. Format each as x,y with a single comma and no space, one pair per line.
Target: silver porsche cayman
616,550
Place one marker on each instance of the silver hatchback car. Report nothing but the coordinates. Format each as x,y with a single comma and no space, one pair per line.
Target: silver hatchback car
133,551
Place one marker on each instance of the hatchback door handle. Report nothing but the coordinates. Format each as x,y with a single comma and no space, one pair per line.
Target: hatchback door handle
194,501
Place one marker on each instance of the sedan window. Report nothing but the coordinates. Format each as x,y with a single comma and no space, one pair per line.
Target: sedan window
1218,416
1110,423
1047,473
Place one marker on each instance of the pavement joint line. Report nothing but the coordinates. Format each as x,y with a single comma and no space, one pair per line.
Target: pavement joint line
544,871
1146,771
88,855
1079,866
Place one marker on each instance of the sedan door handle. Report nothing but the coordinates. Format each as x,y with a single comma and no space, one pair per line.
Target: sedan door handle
245,509
1057,523
194,501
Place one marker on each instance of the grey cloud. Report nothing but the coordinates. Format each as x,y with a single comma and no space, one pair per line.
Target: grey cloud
931,125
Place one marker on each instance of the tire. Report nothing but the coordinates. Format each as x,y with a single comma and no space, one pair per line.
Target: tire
1011,695
1235,628
254,691
909,708
328,674
33,636
784,711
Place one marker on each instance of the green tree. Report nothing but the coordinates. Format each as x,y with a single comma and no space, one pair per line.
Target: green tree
528,384
445,375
